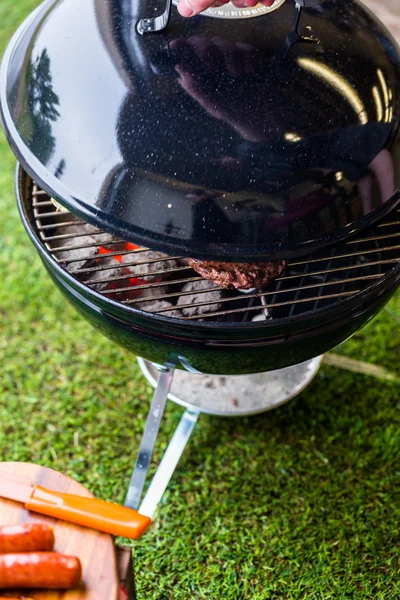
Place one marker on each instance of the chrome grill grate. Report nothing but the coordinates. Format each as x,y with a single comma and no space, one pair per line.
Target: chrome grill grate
315,282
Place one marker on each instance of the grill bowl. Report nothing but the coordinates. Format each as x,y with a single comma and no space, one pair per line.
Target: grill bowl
228,346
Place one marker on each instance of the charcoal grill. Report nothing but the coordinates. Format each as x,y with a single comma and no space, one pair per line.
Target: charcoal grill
337,289
294,154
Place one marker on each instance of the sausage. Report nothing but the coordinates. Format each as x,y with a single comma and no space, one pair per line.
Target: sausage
29,537
43,570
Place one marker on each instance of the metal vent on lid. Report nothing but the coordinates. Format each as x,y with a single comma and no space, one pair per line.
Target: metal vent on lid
244,139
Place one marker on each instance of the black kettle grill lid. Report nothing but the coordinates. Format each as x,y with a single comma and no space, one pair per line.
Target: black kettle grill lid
239,135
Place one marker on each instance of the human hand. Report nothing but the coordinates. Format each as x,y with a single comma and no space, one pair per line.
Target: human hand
190,8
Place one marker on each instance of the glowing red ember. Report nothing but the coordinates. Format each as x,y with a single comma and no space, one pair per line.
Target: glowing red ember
132,281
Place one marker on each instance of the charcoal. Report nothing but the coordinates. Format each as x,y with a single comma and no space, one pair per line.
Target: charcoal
154,306
103,238
116,266
199,295
82,257
147,269
155,292
108,274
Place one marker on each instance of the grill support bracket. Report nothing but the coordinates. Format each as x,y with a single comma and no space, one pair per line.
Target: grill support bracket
269,390
149,438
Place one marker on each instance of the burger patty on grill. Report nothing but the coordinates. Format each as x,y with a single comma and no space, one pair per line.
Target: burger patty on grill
243,276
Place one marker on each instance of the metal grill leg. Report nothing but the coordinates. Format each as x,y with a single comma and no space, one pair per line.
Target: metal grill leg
146,449
169,463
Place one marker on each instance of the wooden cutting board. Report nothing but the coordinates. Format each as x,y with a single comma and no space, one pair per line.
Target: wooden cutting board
94,549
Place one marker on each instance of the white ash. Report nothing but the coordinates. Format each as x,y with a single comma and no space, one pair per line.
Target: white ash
81,257
154,306
148,269
104,238
202,292
240,394
156,292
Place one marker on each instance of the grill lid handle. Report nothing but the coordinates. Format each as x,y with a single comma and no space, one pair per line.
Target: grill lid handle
155,24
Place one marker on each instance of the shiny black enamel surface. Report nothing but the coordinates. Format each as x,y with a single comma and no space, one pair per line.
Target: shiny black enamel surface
212,347
216,139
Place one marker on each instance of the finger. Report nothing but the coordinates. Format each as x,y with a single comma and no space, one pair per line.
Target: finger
245,3
190,8
267,2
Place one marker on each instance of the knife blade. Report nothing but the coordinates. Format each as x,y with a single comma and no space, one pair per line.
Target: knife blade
13,490
87,512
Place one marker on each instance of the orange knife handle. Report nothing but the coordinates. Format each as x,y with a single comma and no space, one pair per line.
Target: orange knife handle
89,512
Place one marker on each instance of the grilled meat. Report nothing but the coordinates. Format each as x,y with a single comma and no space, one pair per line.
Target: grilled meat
244,276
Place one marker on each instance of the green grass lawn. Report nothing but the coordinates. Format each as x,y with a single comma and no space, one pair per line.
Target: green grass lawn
301,503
